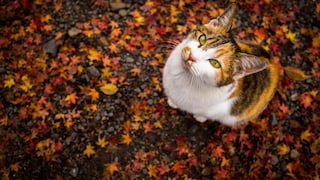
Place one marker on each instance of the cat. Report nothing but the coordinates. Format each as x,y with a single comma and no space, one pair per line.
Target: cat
216,77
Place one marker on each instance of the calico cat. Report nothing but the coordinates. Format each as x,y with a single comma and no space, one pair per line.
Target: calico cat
215,77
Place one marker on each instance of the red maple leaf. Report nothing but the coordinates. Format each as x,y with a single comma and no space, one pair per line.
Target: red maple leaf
179,166
217,151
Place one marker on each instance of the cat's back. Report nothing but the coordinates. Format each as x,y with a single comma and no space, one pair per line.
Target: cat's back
256,90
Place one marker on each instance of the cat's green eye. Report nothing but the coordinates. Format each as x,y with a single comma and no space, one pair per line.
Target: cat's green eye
202,39
215,63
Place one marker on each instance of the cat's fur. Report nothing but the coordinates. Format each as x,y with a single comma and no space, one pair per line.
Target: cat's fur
217,77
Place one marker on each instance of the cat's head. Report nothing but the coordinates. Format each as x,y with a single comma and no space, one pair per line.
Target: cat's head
210,53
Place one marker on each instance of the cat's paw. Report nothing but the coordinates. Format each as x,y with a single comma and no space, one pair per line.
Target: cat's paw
200,118
171,104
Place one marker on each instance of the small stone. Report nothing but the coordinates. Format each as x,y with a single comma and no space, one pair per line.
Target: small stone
123,12
74,172
117,6
51,47
129,59
74,31
93,71
294,154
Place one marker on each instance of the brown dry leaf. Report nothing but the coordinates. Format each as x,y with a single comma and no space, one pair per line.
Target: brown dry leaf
295,74
109,89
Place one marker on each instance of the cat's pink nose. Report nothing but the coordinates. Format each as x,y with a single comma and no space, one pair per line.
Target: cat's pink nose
191,58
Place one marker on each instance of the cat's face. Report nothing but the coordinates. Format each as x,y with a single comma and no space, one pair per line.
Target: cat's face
211,56
207,54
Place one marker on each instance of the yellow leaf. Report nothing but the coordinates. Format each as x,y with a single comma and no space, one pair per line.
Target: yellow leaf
9,83
295,74
71,98
26,83
126,139
89,150
152,170
291,36
284,149
102,142
109,89
306,135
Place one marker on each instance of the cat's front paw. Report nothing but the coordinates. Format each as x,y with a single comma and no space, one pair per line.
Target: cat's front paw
171,104
200,118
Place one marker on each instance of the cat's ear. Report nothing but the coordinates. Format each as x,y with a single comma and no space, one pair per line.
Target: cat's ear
247,65
226,18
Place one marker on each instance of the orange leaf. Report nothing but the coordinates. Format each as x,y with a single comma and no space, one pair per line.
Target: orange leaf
71,98
152,170
126,139
68,124
179,166
112,167
89,150
295,73
94,94
136,71
113,48
306,100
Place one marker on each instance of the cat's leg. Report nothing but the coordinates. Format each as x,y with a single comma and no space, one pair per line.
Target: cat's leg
200,118
171,104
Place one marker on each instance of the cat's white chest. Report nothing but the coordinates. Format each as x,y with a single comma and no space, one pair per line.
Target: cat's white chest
190,94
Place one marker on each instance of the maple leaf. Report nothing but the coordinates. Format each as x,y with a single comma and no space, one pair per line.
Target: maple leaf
94,94
179,167
307,135
126,139
291,36
94,54
152,170
9,82
89,150
68,124
102,142
283,149
112,167
26,86
163,168
218,151
71,98
147,127
106,72
136,71
157,124
113,48
15,167
306,100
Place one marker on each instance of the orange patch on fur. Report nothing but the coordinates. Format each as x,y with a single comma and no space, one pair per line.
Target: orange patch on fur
256,108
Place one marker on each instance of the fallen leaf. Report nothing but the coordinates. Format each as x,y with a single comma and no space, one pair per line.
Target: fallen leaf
126,139
152,170
109,89
307,135
283,149
89,150
179,167
111,168
102,142
295,74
